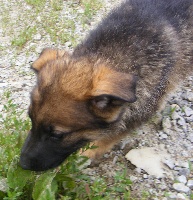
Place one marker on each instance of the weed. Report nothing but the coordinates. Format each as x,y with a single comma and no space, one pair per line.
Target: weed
190,166
24,37
191,196
57,4
36,3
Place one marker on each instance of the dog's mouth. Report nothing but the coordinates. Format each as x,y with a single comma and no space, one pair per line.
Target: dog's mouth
39,165
45,155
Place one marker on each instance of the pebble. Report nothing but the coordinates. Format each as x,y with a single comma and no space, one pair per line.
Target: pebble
115,160
182,121
172,196
145,176
182,179
175,115
190,184
188,111
180,197
180,187
184,172
166,123
169,163
133,178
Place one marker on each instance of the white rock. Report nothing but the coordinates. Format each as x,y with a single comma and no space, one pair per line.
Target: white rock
183,164
166,123
180,187
190,184
133,178
188,111
182,121
164,136
3,85
150,160
169,163
37,37
190,96
189,119
115,160
38,18
175,115
145,176
182,179
172,196
180,197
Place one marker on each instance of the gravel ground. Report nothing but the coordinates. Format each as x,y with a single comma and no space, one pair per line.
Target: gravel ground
171,131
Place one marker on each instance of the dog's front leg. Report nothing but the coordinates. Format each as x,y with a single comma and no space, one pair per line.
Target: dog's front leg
104,145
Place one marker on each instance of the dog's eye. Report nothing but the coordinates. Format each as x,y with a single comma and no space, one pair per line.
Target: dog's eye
56,135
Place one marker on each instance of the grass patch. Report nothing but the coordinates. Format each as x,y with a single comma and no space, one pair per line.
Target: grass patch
36,3
90,8
24,37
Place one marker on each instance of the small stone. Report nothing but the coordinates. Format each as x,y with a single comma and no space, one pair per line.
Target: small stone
166,123
190,138
133,178
182,121
177,168
184,172
115,160
189,119
190,184
3,85
164,136
106,155
182,179
183,164
181,197
172,196
190,96
38,18
180,187
145,176
169,163
175,115
188,111
68,44
37,37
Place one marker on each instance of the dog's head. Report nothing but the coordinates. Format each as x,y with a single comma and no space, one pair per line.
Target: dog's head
73,103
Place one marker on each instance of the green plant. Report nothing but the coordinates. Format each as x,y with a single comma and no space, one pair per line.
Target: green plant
57,4
24,36
36,3
90,7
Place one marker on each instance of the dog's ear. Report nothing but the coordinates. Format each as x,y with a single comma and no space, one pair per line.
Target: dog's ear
111,91
48,54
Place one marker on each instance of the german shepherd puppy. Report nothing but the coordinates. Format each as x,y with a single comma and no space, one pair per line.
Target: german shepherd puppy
111,83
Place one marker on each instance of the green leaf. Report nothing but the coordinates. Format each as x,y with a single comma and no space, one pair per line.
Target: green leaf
16,176
45,188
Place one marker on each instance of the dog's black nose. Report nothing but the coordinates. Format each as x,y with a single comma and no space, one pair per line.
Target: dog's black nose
24,163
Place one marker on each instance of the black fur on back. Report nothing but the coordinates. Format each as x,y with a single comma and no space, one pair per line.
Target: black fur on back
152,39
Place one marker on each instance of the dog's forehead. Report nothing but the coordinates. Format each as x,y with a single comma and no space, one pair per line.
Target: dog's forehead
74,78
